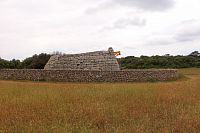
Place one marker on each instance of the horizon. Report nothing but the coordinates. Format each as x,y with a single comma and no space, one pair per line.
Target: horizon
120,56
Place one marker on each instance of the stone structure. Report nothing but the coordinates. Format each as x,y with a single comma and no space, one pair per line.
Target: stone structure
94,61
100,66
88,76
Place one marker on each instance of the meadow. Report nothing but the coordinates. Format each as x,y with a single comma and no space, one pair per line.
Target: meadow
143,107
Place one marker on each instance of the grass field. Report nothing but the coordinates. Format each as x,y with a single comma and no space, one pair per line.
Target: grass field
101,107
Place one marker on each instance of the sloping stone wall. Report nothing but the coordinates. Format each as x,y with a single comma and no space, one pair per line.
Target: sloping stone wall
97,61
88,76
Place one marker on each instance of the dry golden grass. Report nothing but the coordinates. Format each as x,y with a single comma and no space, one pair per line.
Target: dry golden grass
190,71
120,107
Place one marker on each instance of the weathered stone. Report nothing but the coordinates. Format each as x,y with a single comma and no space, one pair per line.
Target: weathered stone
99,60
88,76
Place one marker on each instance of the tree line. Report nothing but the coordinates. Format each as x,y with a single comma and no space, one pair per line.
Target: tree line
34,62
166,61
130,62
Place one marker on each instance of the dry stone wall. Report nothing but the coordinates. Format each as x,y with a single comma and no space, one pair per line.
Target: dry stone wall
88,76
96,61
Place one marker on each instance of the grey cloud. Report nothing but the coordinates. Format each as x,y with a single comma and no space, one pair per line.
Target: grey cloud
186,36
122,23
152,5
185,31
189,21
160,42
147,5
189,31
99,7
125,22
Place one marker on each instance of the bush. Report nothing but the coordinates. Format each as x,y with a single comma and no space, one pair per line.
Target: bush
145,62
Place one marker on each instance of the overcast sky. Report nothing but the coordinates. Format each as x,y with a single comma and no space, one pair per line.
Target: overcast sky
135,27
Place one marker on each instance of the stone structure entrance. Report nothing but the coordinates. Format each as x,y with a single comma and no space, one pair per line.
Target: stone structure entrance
94,61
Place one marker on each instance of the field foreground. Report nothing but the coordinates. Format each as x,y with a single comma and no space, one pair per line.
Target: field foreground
101,107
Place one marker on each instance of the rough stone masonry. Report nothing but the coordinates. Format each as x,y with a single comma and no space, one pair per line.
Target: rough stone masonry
100,66
88,76
93,61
